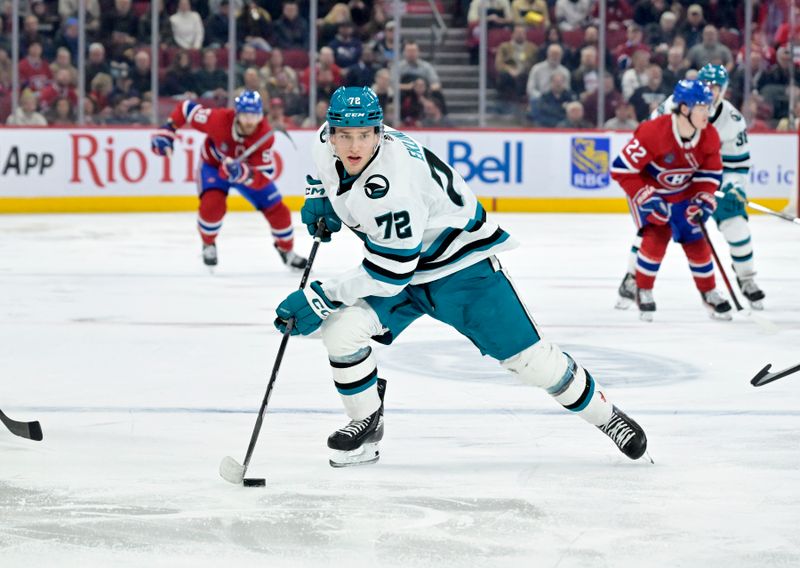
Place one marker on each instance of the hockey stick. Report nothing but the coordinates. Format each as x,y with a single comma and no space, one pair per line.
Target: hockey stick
766,210
247,153
29,430
764,376
229,468
764,323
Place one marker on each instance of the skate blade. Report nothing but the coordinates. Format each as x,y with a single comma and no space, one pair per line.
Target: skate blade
646,316
646,457
726,316
757,305
365,455
623,303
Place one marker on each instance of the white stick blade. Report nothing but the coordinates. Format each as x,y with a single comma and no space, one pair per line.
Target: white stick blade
230,470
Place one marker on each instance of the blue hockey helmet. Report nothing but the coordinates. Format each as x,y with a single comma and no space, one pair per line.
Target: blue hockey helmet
713,75
690,92
354,107
249,102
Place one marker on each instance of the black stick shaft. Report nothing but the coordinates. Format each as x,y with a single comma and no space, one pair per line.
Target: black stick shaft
719,265
279,358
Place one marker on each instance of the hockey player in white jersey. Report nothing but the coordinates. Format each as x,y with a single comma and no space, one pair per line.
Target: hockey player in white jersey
730,215
428,249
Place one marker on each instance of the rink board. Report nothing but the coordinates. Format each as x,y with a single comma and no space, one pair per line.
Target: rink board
112,170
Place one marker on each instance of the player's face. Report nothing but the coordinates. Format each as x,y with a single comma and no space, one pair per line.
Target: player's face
699,116
248,121
355,147
716,90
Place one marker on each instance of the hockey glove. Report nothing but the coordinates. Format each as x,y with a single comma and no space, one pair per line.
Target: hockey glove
235,171
309,308
652,208
733,204
162,143
317,206
700,208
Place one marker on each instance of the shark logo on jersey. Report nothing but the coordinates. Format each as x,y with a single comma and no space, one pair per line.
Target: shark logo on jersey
376,186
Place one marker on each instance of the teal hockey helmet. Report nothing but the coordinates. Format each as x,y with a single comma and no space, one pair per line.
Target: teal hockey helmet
711,74
354,107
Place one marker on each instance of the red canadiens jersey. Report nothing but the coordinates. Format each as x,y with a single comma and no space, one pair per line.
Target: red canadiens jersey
678,169
222,140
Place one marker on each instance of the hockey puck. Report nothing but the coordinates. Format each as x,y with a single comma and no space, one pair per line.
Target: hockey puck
254,482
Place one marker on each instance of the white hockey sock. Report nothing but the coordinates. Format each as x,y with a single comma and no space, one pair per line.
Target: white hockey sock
356,379
737,232
578,392
635,246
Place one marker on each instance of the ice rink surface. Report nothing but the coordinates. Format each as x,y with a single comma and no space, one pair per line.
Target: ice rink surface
145,371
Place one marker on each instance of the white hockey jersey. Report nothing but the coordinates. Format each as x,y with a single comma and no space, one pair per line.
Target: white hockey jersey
732,131
416,215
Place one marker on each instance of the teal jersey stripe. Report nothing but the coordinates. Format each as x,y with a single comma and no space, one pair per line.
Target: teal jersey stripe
737,158
735,170
378,249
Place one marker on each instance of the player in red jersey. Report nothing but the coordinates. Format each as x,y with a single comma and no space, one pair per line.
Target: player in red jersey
230,132
669,171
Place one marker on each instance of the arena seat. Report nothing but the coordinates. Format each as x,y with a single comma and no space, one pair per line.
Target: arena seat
297,59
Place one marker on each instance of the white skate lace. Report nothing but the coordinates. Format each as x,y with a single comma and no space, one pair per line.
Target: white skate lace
618,430
355,427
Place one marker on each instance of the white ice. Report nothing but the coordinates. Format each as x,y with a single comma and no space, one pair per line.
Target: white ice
145,370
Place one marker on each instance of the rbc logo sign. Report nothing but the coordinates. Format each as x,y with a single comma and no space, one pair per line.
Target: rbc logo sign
589,162
504,168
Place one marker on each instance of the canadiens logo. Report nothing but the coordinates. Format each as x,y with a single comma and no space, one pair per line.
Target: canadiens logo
675,179
376,186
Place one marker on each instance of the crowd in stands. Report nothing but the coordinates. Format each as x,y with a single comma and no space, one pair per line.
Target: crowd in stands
543,58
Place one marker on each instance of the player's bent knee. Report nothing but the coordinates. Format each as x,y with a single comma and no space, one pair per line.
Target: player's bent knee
735,229
542,364
349,330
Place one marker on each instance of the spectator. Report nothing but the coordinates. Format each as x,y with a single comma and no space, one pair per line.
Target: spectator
320,115
513,62
692,28
272,71
542,73
217,26
326,84
757,70
619,14
530,13
553,37
660,37
383,87
284,84
62,113
329,25
100,89
572,14
96,62
164,26
187,27
140,74
634,41
549,109
611,99
254,26
574,117
774,84
64,61
411,103
119,28
277,118
384,47
26,114
325,62
591,39
34,71
647,12
346,48
179,80
636,76
248,57
123,88
48,20
62,87
710,51
30,34
647,98
412,67
675,69
67,38
498,13
210,81
291,29
251,81
361,16
363,72
585,77
623,118
433,116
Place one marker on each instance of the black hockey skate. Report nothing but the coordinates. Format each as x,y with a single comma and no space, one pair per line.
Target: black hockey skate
717,306
626,434
210,254
752,292
357,443
292,259
626,293
646,303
